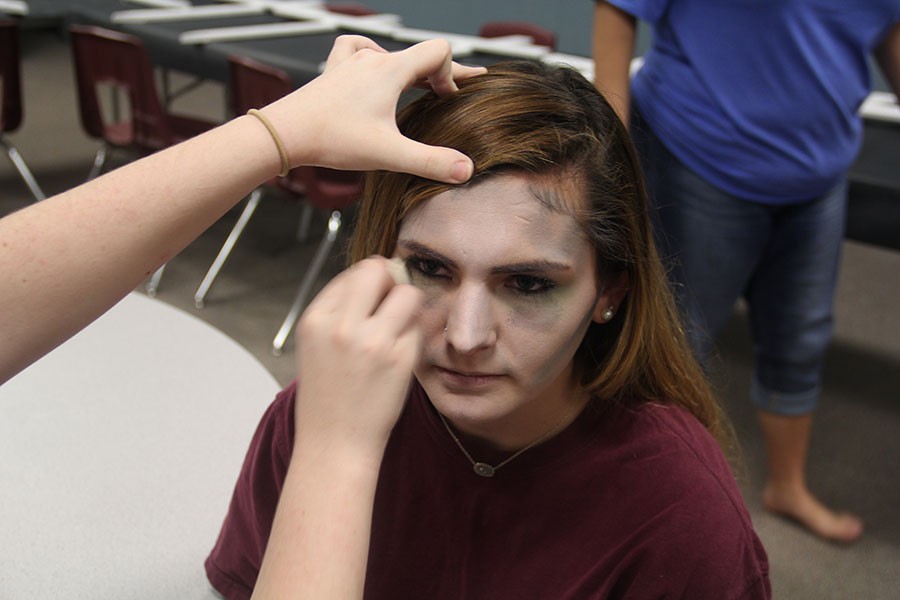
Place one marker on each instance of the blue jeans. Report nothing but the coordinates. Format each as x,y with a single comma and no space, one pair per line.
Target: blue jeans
783,259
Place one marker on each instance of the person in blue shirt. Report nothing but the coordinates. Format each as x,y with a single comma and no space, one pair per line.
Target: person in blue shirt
746,117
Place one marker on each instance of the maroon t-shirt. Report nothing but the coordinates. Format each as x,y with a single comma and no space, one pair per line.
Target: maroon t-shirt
624,503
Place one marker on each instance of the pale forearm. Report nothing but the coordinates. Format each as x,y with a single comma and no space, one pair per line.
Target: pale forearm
324,556
343,417
612,48
888,56
66,260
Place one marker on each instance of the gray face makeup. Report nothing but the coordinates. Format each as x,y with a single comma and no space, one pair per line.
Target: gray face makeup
513,282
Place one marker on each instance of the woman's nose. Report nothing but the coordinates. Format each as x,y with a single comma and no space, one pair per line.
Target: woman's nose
470,321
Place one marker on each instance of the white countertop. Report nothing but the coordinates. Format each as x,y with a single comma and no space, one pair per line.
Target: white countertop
118,454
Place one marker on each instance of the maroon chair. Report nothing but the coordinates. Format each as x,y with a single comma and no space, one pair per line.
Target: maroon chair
251,85
328,190
11,107
118,61
133,118
350,8
254,85
539,35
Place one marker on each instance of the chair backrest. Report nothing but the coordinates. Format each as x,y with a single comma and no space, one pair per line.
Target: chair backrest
105,58
330,189
539,35
10,77
254,85
350,8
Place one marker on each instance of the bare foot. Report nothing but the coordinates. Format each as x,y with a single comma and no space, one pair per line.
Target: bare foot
801,506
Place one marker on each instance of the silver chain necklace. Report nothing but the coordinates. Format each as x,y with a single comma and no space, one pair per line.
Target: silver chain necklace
484,469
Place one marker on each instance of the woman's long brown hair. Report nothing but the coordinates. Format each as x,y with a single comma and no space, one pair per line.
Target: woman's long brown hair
549,122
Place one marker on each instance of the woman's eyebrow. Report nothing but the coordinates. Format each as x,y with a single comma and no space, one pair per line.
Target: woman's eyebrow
534,266
531,266
423,250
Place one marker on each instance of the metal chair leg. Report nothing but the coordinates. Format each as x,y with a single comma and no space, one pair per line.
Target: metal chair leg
153,284
99,161
236,231
334,224
23,170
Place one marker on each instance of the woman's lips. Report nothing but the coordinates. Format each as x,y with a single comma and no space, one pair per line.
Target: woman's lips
466,380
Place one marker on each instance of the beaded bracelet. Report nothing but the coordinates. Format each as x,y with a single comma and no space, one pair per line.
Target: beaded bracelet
282,152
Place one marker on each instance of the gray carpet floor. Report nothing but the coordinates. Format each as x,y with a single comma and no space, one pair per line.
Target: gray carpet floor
855,454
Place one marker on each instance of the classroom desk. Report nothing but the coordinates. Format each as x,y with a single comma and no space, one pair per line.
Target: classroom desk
118,454
34,11
299,59
300,56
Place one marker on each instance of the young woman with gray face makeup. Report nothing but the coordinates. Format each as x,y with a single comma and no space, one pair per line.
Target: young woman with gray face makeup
525,417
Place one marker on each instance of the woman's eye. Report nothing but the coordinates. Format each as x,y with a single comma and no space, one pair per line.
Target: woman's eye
425,266
531,284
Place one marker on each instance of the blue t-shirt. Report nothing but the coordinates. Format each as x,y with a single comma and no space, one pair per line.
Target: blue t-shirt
760,97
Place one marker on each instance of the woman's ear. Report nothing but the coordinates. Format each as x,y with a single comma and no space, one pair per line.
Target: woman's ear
611,298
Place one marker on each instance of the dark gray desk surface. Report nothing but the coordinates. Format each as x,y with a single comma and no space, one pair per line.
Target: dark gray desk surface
300,56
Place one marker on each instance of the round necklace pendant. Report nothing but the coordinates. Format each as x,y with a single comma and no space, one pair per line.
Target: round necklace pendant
483,469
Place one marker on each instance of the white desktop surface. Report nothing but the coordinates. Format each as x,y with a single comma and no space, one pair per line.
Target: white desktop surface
118,454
